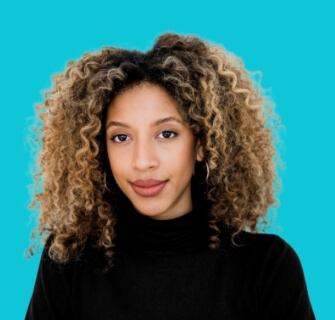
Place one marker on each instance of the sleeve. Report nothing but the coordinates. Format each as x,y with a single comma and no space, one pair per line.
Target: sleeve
51,295
284,294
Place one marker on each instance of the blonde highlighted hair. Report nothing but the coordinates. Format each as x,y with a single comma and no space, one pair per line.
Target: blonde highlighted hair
218,100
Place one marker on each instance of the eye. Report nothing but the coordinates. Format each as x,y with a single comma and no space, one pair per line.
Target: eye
167,134
120,138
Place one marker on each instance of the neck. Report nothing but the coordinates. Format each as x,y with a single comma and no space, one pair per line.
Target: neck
136,232
171,214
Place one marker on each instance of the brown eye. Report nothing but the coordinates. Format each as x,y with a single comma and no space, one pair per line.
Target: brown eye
167,134
120,138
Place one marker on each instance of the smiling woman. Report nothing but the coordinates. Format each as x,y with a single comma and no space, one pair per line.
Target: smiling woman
157,172
154,157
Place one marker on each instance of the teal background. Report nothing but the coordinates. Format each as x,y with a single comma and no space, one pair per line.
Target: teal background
291,42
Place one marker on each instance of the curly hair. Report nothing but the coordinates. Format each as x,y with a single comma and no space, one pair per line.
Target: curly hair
218,100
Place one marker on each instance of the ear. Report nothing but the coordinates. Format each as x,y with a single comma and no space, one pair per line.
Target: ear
200,154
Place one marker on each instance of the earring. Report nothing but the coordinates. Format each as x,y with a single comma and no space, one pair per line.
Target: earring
207,175
105,182
207,172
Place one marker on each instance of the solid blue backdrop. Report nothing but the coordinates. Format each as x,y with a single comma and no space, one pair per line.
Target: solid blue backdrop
289,42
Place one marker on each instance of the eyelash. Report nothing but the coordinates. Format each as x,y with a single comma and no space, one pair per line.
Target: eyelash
169,131
117,136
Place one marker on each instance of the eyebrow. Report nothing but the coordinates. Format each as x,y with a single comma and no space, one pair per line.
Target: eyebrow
116,124
156,123
167,119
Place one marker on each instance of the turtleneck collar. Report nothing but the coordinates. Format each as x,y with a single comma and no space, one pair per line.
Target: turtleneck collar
136,232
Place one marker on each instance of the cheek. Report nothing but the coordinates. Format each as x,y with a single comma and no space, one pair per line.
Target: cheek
118,170
110,157
114,163
186,161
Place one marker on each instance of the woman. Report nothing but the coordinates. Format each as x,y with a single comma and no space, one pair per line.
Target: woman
157,172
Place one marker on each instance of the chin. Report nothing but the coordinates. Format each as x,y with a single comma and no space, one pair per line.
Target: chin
151,213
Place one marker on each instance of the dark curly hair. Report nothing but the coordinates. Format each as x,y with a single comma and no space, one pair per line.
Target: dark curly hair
218,100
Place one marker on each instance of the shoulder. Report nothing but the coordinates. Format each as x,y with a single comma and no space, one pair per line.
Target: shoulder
261,250
273,247
261,243
269,260
89,257
274,271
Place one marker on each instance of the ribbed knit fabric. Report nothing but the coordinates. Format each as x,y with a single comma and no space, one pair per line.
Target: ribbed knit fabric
164,270
139,233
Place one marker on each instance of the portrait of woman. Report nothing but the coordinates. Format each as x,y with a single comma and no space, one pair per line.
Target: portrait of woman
155,175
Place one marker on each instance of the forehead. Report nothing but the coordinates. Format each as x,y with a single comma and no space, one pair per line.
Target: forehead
145,100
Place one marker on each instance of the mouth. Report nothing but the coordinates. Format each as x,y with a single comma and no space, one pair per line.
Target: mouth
148,188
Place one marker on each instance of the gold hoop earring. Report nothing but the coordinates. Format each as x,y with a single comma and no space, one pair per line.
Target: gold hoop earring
207,172
207,175
105,182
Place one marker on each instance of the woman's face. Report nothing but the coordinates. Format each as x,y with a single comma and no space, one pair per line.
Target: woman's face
151,151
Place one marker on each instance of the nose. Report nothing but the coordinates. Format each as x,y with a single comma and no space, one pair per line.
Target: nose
144,156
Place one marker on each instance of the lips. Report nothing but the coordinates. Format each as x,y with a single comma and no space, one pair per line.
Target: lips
148,188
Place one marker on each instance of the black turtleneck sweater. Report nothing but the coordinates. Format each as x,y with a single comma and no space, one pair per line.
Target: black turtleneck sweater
164,270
